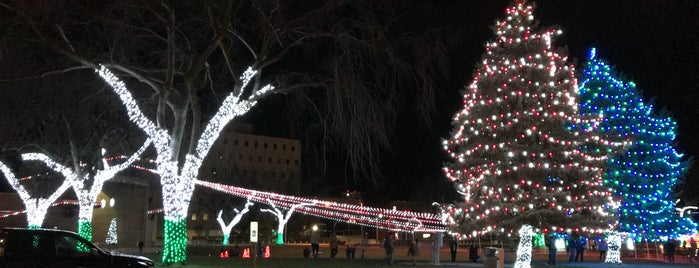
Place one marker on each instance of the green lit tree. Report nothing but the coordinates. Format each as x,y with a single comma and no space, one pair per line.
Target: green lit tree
644,174
514,149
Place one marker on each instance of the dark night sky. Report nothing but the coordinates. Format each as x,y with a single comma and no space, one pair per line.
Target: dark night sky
653,43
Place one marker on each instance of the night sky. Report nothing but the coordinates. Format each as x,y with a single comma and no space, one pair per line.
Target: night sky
653,43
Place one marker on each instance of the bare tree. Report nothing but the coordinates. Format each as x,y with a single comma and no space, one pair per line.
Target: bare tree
352,62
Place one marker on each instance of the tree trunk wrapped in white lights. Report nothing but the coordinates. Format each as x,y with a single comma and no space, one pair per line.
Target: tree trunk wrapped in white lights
226,228
282,217
524,250
79,179
614,245
36,207
177,181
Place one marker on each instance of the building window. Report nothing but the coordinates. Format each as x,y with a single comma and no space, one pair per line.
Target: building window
259,159
293,148
283,174
255,144
274,147
265,145
269,160
194,216
296,162
284,147
279,161
287,161
205,216
235,142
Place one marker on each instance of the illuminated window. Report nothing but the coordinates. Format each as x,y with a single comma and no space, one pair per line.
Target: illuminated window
194,216
205,216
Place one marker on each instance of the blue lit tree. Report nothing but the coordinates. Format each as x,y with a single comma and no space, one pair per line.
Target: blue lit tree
644,174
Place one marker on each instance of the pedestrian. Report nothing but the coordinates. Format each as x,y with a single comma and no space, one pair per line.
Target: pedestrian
453,247
670,249
140,246
315,243
602,249
572,246
364,242
552,249
580,250
388,246
412,250
473,252
693,246
333,245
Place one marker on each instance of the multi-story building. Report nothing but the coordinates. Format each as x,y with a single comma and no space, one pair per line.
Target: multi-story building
243,159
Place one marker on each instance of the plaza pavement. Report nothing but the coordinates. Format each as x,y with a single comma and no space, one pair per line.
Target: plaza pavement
375,252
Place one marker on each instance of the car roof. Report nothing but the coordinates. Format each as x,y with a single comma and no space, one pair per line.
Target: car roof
17,229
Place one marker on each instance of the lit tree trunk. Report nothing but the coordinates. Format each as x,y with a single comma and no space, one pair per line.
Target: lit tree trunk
178,184
282,217
226,228
614,241
524,250
36,208
78,179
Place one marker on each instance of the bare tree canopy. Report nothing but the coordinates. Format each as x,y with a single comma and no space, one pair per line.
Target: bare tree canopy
353,65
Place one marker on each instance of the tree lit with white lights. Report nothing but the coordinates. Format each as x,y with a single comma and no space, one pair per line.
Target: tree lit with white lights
644,174
226,228
177,179
86,184
515,149
36,207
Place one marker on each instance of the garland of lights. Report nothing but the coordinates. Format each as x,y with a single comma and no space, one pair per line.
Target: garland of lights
516,148
394,220
79,181
524,250
226,228
178,185
649,165
36,208
282,217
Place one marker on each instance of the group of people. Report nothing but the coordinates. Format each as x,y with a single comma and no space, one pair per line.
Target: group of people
576,245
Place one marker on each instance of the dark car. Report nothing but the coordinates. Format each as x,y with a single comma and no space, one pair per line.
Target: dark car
21,247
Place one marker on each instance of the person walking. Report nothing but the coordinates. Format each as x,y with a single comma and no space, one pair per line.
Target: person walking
453,247
603,250
670,249
315,243
572,246
693,246
388,246
580,250
412,250
473,252
333,245
552,249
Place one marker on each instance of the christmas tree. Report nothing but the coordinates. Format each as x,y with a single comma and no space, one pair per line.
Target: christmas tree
644,174
516,145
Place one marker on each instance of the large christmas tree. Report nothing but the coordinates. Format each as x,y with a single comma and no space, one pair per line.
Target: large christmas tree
645,173
516,153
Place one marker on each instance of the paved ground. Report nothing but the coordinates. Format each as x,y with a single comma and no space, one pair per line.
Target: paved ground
374,254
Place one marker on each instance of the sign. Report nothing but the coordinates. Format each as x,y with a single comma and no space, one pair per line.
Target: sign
253,231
